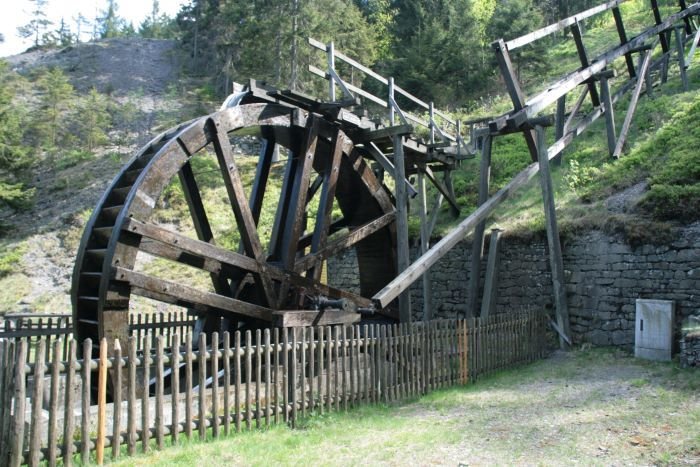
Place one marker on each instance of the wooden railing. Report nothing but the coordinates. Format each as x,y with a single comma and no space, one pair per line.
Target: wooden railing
239,381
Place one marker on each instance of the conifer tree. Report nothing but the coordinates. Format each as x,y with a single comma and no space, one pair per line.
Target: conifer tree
38,25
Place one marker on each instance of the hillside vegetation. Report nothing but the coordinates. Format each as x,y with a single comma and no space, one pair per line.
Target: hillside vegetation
71,116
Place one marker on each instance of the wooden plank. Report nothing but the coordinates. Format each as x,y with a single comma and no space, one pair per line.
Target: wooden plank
237,385
343,344
215,408
175,389
53,402
145,396
336,379
622,34
680,49
277,356
298,318
302,370
293,378
68,410
201,385
312,364
159,383
402,247
657,19
226,355
583,57
478,237
350,239
561,25
35,423
415,270
321,373
442,189
258,378
352,364
101,402
622,138
268,398
329,367
188,386
182,295
609,114
325,205
248,378
555,255
547,97
488,303
117,386
17,425
367,365
285,374
241,210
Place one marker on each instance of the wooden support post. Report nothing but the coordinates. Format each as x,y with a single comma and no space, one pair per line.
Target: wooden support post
623,40
488,303
633,105
555,256
680,48
609,113
658,20
330,50
514,90
688,25
478,242
559,120
402,249
693,47
583,57
424,246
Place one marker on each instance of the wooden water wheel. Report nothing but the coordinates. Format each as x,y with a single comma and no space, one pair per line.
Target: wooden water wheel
251,285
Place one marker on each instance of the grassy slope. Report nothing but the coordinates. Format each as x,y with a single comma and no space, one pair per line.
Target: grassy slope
599,406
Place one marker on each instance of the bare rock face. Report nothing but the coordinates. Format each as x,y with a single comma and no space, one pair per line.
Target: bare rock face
119,66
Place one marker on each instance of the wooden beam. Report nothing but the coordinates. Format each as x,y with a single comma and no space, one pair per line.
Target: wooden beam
488,302
623,40
424,246
583,57
680,49
478,238
325,205
366,136
402,247
561,25
619,147
305,318
454,207
541,101
182,295
177,247
555,256
239,204
350,239
657,19
404,280
609,114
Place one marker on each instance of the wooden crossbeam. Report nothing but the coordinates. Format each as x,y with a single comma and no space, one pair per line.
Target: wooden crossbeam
305,318
177,247
632,106
454,207
182,295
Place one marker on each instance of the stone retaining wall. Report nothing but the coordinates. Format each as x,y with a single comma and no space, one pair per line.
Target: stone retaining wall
604,277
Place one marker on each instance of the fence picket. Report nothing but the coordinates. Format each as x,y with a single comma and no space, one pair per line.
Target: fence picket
175,387
302,371
276,363
117,412
160,374
215,384
145,395
227,382
188,386
293,377
131,398
237,371
248,377
202,385
258,374
267,351
320,349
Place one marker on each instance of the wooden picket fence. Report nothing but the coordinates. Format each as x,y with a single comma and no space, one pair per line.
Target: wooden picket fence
52,326
59,411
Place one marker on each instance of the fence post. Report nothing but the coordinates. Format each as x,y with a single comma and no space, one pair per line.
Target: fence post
16,435
101,402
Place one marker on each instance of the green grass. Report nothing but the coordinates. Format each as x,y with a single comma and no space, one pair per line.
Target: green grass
598,406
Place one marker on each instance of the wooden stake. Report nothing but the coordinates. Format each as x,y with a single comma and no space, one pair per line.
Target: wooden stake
101,402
